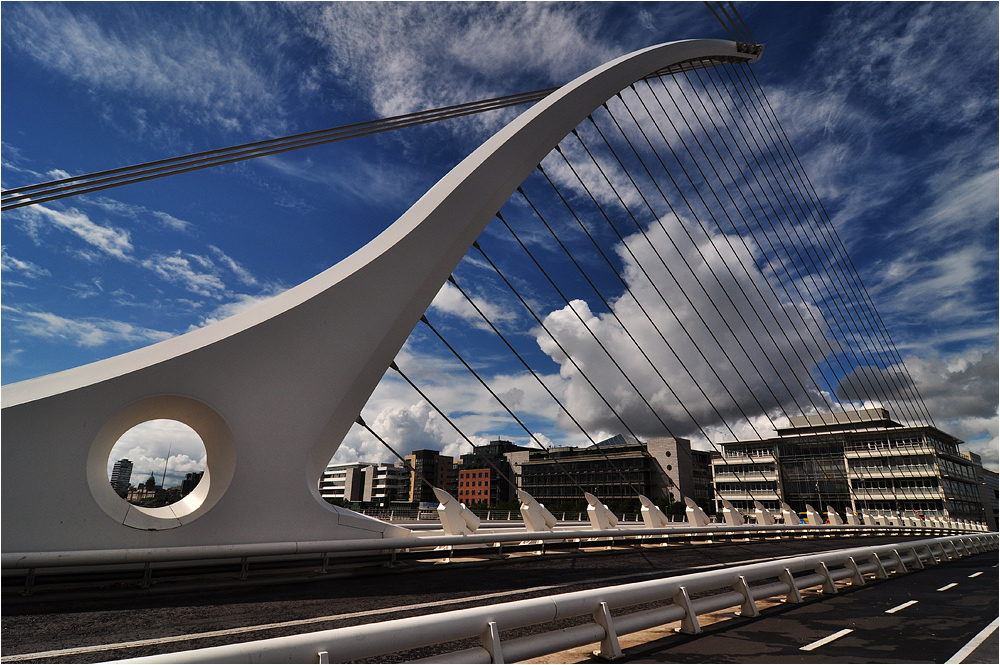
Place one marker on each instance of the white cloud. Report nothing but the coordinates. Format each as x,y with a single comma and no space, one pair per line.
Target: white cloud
751,343
411,56
27,268
959,390
449,300
178,268
83,332
237,303
140,213
241,273
148,445
209,73
108,239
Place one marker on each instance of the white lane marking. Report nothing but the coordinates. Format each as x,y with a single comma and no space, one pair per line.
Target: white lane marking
948,586
974,643
72,651
975,574
827,639
901,607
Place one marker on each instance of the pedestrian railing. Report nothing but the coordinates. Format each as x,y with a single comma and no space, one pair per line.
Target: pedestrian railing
608,612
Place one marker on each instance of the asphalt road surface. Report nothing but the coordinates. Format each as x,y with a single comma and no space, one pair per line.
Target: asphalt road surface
180,616
924,617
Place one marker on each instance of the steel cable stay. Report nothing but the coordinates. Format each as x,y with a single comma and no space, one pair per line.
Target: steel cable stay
795,246
527,366
531,435
681,289
52,190
736,37
638,263
832,241
806,326
836,245
409,467
739,18
883,332
566,353
810,398
610,309
774,251
618,196
625,328
393,366
864,488
845,372
65,187
845,321
726,236
694,308
708,135
642,308
704,259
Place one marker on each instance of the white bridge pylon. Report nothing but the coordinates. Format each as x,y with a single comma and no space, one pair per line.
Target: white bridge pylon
274,390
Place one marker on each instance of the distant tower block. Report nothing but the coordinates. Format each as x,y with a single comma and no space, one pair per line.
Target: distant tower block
121,476
273,390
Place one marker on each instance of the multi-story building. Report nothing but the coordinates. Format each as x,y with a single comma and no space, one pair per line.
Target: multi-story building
438,469
852,461
366,482
989,493
487,474
617,469
121,476
344,481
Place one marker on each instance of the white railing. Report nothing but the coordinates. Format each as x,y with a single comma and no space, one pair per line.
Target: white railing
442,543
740,586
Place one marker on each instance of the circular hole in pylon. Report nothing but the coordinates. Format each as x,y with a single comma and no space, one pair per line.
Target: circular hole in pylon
157,463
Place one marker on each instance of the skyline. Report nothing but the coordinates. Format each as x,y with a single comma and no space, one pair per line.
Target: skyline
898,138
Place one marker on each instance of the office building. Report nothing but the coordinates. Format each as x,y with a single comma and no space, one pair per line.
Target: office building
366,482
617,469
121,477
487,475
859,460
438,469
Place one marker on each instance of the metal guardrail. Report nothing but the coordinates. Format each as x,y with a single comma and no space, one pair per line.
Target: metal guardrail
739,586
640,535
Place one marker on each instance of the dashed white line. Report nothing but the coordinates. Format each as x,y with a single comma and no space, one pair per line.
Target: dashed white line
901,607
974,643
827,639
975,574
948,586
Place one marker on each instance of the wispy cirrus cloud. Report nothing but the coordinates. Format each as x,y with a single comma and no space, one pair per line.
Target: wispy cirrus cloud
141,213
83,332
410,56
25,268
107,239
214,74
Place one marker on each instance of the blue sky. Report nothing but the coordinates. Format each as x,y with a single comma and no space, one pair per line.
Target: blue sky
892,107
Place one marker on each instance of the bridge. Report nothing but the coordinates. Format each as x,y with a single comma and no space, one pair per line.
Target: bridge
702,293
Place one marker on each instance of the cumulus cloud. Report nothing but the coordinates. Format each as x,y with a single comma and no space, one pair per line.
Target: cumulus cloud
158,445
959,391
719,331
